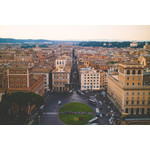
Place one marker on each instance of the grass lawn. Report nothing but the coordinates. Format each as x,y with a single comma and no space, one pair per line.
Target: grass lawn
76,107
75,119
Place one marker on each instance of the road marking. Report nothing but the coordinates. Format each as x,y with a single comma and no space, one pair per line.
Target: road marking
50,113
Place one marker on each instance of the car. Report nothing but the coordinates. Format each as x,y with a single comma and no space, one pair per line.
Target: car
100,115
70,91
106,115
111,111
108,106
100,102
59,102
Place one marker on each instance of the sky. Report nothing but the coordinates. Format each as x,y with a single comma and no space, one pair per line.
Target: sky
78,32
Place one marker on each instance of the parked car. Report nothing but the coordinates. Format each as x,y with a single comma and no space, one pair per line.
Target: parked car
100,115
59,102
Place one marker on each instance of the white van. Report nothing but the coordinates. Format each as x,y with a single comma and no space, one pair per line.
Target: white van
100,115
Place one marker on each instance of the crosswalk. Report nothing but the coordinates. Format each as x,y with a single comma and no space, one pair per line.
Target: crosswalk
49,113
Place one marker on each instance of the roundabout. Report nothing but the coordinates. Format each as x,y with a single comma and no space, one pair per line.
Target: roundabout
75,113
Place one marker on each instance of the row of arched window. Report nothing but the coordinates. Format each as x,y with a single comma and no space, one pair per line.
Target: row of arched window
133,72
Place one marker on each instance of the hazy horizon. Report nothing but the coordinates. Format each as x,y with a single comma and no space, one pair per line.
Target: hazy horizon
78,33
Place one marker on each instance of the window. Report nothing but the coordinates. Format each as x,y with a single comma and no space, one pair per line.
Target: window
138,102
139,71
126,111
132,97
133,78
127,78
11,72
133,71
148,102
24,85
138,83
18,80
138,78
127,97
143,111
11,80
127,93
127,102
137,111
18,85
133,83
127,83
138,98
143,93
17,72
24,72
132,93
132,102
149,93
148,110
138,93
132,110
143,102
12,85
128,71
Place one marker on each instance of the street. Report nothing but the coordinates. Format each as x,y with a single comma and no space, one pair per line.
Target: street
49,114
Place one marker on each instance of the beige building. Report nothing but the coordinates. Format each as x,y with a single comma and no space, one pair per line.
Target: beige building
23,57
19,78
127,90
61,74
61,79
145,61
46,71
89,79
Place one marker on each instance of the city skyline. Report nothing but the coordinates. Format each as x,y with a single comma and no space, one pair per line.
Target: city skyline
79,33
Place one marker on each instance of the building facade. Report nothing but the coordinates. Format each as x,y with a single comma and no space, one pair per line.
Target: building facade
89,79
127,90
18,78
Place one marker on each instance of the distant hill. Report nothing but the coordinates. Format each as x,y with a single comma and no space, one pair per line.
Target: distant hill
10,40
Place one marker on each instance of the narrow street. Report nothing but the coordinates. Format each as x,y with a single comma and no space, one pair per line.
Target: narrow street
49,115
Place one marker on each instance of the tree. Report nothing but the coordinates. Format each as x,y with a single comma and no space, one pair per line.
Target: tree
19,104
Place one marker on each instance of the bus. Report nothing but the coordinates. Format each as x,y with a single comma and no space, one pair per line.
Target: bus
97,111
91,101
94,120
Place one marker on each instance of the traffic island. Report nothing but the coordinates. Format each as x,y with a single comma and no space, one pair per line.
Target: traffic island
75,113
